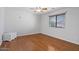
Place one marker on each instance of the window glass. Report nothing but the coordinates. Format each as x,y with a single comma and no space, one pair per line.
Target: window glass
52,21
60,21
57,21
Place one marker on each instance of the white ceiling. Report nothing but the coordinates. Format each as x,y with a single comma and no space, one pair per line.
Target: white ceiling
30,9
50,9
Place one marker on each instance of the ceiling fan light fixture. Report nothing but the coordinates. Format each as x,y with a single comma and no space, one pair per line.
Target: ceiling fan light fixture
39,9
42,9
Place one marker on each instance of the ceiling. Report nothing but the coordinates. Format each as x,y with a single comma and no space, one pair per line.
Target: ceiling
50,9
31,9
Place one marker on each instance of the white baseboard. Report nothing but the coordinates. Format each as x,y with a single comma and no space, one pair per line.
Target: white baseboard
27,34
61,38
52,36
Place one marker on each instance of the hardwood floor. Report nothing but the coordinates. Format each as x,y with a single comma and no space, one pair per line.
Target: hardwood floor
39,42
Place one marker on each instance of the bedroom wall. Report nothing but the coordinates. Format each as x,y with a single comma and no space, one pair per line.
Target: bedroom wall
22,21
1,23
70,32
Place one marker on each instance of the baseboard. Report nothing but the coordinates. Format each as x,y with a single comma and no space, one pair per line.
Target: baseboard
27,34
60,38
50,36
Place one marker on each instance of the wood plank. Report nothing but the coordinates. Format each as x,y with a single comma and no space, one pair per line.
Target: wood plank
39,42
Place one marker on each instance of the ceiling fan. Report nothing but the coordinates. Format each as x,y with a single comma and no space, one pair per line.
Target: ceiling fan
41,9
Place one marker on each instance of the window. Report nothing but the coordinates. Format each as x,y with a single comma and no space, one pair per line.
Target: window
57,21
52,21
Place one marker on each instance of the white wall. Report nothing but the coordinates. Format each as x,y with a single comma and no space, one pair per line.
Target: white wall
70,32
22,21
1,23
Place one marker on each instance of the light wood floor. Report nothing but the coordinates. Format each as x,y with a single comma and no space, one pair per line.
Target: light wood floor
39,42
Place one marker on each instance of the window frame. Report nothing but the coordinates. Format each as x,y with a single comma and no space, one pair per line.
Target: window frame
56,19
